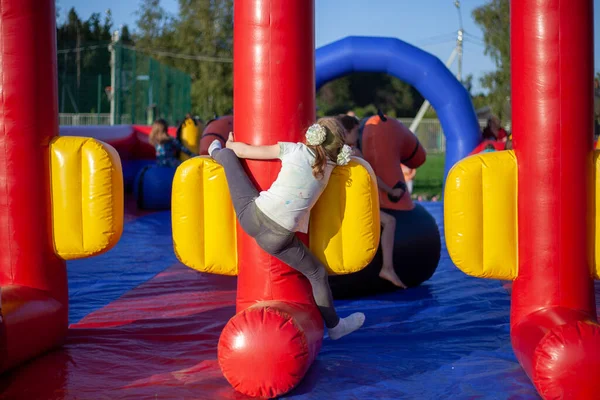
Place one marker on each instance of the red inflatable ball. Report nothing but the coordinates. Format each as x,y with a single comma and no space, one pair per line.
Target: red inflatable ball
216,129
265,350
555,345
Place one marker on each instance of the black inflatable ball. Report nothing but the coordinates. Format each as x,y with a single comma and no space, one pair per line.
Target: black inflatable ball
417,249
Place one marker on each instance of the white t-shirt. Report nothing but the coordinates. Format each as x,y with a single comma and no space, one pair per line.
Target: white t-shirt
295,191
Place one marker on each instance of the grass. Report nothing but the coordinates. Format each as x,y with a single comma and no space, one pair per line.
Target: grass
428,182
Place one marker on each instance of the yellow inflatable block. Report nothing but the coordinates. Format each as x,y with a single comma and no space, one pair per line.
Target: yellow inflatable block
87,197
480,215
204,222
596,264
190,138
344,225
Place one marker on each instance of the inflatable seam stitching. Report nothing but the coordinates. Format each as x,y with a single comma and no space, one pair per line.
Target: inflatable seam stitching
111,195
80,159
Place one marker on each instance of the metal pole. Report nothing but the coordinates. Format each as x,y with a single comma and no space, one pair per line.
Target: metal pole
62,97
99,100
459,41
149,113
113,76
459,50
119,84
64,83
134,69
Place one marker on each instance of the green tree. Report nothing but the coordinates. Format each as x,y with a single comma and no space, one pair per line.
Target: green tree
401,99
80,62
366,92
335,97
154,26
494,20
126,35
479,100
92,28
202,28
205,27
108,24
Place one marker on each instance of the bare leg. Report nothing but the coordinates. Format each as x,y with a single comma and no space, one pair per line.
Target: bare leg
388,222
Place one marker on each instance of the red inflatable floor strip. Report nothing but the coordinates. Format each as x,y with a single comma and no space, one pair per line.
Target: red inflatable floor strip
159,339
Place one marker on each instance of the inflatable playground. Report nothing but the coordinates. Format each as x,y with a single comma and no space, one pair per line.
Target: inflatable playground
120,279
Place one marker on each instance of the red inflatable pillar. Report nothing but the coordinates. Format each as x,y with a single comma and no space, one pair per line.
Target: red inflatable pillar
266,349
32,278
554,331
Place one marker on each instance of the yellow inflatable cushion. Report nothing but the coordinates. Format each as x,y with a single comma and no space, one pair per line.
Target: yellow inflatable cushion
87,197
596,264
204,222
480,215
190,138
344,225
344,229
480,212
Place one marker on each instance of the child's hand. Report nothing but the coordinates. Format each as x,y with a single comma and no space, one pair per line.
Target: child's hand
230,141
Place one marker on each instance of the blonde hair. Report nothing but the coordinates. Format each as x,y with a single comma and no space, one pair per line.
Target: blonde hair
158,134
331,146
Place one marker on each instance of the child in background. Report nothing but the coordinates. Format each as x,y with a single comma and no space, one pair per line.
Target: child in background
272,217
388,222
409,176
490,148
167,148
350,124
494,130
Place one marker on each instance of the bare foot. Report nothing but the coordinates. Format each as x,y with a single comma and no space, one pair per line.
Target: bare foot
390,275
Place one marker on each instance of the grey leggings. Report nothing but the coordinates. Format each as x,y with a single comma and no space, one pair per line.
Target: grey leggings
272,238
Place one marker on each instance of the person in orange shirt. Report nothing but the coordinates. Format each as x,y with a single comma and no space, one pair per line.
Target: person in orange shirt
387,146
388,222
416,242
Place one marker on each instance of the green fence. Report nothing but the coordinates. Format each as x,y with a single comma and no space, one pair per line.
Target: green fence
83,74
146,89
139,87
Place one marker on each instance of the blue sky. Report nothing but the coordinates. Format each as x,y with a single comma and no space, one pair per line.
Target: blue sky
429,24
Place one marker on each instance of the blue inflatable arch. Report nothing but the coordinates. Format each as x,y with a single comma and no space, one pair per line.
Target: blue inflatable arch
422,70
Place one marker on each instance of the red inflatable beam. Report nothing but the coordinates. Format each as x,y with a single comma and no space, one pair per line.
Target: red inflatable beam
554,330
266,349
481,146
33,279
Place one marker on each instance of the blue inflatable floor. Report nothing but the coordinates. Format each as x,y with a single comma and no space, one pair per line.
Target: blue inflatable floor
144,326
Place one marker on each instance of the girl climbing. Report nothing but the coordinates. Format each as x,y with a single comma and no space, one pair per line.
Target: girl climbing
273,216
